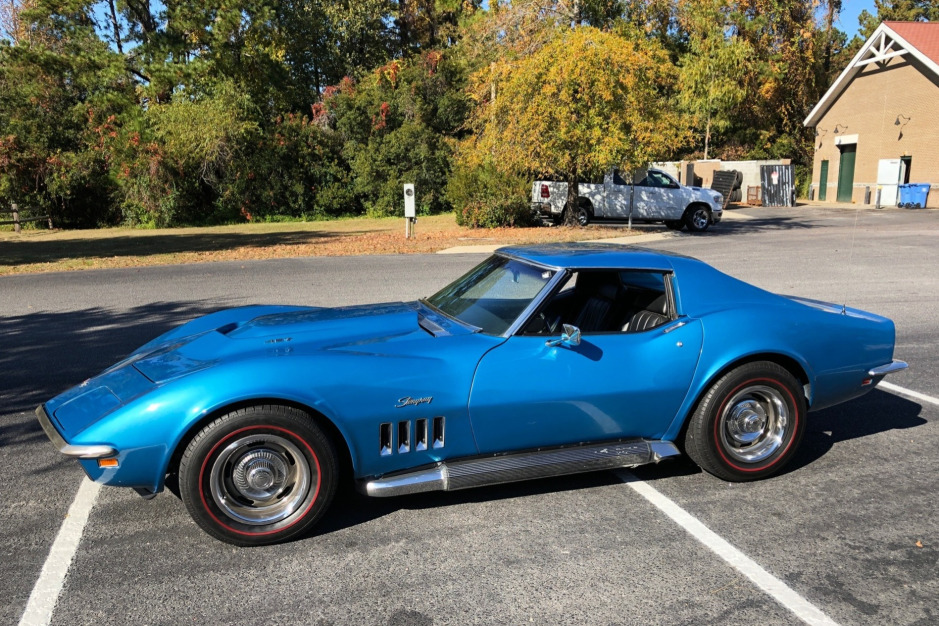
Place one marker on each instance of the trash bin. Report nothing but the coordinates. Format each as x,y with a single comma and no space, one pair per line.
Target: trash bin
913,195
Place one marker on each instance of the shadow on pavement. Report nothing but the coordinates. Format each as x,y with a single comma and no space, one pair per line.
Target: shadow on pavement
43,354
13,252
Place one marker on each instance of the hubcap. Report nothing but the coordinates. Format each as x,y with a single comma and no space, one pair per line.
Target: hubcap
260,479
754,423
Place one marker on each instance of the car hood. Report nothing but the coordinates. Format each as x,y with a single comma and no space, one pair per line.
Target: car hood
367,329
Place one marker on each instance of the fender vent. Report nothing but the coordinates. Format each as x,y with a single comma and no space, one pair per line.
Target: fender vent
396,437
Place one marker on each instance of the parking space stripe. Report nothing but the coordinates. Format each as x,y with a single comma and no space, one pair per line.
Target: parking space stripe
909,393
46,591
777,589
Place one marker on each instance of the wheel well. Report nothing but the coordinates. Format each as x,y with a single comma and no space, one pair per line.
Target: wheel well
788,363
585,203
344,456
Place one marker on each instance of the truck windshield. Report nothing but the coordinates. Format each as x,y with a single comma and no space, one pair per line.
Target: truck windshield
493,294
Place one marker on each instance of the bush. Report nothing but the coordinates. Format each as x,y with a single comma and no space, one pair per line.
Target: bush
484,197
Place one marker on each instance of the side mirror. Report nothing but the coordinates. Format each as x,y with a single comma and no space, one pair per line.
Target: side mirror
570,337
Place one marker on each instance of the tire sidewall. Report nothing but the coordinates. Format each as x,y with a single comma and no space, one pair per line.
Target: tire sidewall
204,450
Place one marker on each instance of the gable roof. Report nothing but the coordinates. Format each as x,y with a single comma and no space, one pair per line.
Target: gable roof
891,39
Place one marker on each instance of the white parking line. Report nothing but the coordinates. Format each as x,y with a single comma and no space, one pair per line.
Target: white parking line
46,591
909,393
775,588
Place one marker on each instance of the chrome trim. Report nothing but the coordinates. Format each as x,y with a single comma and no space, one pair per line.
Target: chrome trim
508,255
519,466
81,452
663,450
889,368
538,300
433,479
669,329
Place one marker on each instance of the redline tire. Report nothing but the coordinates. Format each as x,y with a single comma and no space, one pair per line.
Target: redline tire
258,475
749,423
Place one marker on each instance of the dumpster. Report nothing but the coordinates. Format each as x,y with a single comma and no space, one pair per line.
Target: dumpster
778,185
913,195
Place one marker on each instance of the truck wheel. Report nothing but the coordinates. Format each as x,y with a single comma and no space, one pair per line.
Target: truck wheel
697,218
674,224
583,214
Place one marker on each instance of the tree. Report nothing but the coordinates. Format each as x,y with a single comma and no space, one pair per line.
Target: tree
584,102
713,69
897,10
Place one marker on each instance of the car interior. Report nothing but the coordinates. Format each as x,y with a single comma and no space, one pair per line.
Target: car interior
605,301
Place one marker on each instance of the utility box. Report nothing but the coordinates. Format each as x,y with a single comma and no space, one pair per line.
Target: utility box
778,185
410,209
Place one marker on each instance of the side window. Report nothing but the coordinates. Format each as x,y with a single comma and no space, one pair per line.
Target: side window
657,179
605,301
617,179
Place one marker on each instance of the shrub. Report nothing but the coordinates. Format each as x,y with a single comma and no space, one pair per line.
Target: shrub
484,197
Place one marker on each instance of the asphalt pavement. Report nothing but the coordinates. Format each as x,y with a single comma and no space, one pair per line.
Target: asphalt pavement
852,525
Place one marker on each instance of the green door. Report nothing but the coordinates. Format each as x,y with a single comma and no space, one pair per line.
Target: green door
846,172
823,182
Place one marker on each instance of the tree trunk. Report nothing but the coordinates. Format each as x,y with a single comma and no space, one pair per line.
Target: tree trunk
116,26
707,136
573,194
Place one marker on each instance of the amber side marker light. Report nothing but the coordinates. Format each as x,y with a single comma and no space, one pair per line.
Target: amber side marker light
107,462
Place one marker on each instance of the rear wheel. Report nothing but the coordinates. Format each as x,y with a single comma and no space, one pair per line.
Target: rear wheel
749,423
258,475
583,214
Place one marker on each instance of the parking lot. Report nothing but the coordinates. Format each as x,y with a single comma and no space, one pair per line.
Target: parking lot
851,527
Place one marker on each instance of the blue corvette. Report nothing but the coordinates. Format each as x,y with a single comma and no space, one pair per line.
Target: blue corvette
540,361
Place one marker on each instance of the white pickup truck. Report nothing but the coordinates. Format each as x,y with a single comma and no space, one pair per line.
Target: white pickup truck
656,197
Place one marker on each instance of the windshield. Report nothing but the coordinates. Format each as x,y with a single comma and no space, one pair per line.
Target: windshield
493,294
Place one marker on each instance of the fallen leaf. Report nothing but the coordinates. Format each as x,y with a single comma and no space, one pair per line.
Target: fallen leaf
919,544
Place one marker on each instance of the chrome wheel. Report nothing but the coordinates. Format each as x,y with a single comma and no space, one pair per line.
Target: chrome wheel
261,479
583,216
700,219
754,423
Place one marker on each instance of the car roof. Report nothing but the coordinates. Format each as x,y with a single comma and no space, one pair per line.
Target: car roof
593,256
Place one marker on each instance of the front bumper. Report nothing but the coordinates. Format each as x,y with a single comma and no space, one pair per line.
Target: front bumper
80,452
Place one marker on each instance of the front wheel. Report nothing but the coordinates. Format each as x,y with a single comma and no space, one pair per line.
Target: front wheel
749,423
698,219
259,475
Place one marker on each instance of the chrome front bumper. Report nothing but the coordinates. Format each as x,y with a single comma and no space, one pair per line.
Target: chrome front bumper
80,452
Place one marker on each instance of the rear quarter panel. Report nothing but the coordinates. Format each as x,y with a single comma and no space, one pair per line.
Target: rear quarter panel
742,322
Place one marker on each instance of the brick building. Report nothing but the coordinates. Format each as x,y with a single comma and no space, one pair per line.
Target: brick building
877,126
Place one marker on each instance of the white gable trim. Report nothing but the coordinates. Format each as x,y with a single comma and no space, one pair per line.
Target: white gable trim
883,45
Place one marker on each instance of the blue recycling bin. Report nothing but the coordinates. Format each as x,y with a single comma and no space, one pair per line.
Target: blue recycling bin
913,195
